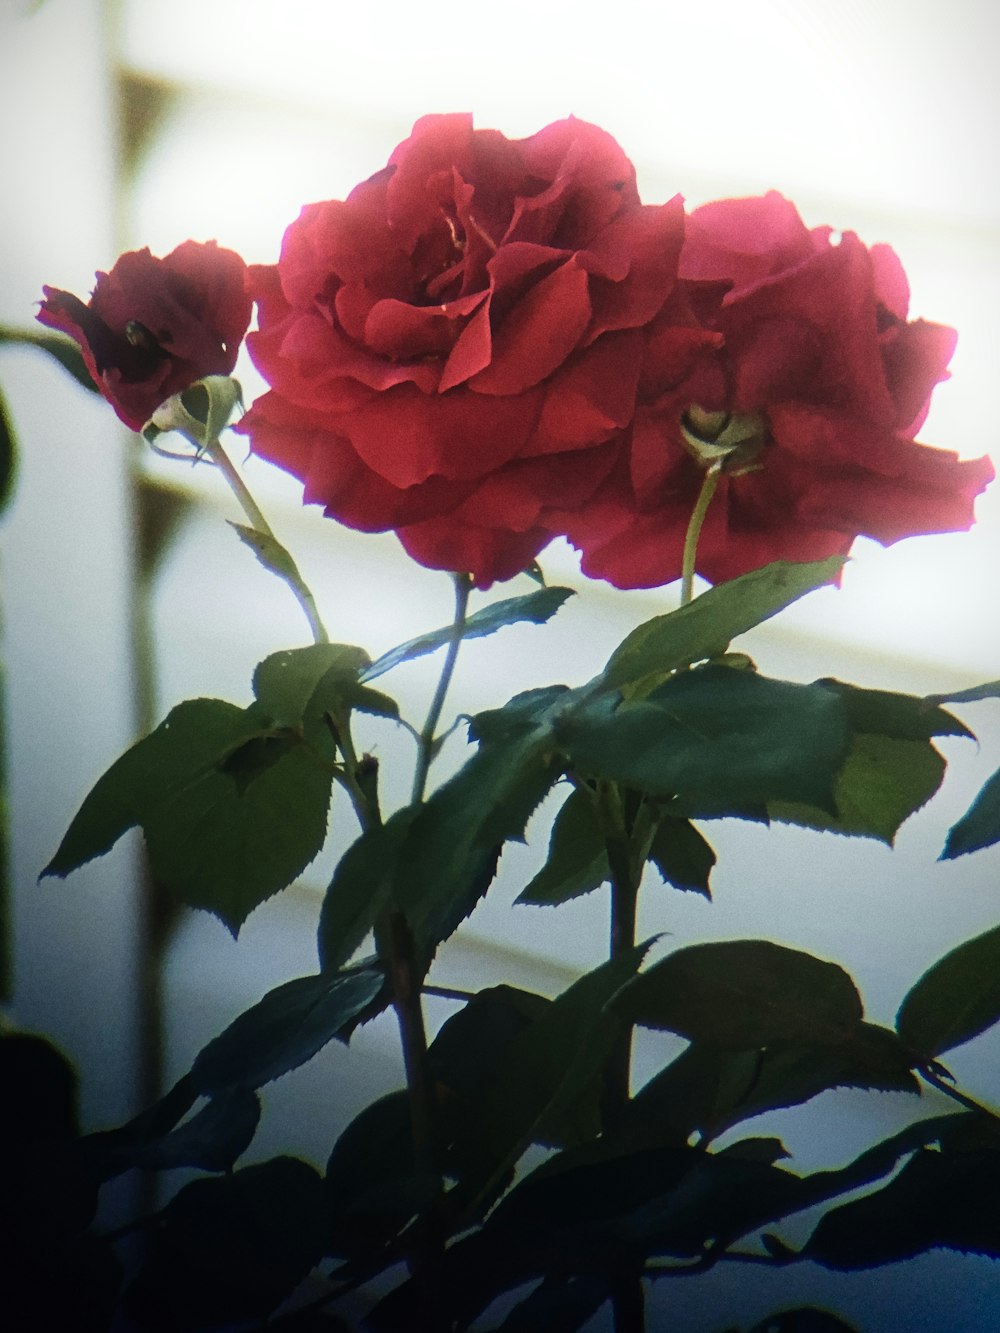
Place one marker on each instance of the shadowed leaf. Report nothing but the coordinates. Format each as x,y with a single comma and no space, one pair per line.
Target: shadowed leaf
232,1248
939,1199
283,1030
744,994
577,861
979,827
730,737
956,998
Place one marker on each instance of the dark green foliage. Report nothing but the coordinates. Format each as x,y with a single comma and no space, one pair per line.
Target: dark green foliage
979,827
534,607
682,855
890,769
232,801
707,1089
434,862
233,804
956,999
577,861
373,1186
731,737
212,1140
743,995
939,1199
706,627
285,1029
231,1248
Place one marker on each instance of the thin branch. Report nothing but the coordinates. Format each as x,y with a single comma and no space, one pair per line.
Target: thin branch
708,486
425,754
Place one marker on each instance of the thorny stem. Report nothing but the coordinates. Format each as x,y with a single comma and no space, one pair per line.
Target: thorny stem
627,1298
289,572
708,487
426,746
394,943
956,1094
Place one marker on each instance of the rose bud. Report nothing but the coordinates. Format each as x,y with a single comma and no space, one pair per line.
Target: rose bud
154,326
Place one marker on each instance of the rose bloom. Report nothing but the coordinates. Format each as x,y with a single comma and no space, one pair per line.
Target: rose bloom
456,346
154,326
820,380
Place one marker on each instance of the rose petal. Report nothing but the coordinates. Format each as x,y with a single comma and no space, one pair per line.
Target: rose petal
538,334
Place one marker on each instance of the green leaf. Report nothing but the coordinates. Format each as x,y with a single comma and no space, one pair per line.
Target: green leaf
8,456
63,350
186,746
979,827
231,810
536,607
707,1089
226,844
991,690
230,1249
211,1140
956,999
881,783
542,1073
682,856
463,1058
939,1199
890,771
744,994
283,1030
373,1187
286,684
465,1051
450,853
730,737
889,713
108,1149
361,888
577,861
707,625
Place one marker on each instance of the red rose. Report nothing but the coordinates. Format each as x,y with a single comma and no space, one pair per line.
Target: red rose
451,349
821,372
154,326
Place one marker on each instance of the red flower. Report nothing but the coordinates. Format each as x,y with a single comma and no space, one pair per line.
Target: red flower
821,370
154,326
451,348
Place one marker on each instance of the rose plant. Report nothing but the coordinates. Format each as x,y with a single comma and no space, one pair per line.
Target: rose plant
489,344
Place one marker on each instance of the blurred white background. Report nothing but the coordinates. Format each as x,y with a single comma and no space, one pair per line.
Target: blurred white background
143,122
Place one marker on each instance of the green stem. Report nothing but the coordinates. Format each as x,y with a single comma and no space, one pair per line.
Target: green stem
426,746
708,487
395,946
288,572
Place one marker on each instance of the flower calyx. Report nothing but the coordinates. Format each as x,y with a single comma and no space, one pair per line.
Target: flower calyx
730,441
